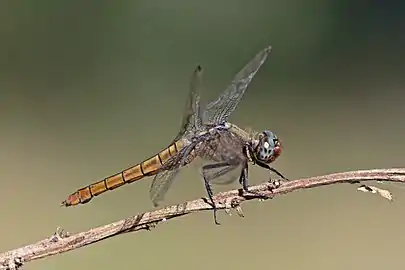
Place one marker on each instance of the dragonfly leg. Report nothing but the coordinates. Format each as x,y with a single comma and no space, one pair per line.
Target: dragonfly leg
266,166
208,186
243,180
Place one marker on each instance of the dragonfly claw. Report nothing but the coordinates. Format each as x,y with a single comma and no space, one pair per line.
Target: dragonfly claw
215,217
274,183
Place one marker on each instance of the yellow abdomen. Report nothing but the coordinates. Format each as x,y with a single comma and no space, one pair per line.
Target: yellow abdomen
146,168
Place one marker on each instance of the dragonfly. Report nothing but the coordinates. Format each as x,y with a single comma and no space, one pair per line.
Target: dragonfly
205,133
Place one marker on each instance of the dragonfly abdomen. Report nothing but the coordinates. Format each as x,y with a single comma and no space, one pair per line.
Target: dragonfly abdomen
146,168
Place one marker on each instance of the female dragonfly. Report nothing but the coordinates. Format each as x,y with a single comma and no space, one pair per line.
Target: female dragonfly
205,133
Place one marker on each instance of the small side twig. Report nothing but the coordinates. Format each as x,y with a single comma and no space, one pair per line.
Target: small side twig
61,242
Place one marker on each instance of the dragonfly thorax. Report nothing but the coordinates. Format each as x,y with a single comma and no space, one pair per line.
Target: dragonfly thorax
267,147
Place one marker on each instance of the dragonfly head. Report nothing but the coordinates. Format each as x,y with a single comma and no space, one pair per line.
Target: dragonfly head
268,147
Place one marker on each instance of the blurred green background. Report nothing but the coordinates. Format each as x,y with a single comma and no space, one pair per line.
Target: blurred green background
91,87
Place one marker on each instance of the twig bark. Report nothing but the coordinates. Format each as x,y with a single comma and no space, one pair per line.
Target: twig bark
59,242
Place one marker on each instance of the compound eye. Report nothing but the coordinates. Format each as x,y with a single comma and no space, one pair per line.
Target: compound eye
265,151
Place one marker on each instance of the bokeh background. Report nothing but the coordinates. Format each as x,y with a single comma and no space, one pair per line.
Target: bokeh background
90,88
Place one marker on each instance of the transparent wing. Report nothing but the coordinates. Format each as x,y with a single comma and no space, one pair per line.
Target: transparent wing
220,109
191,122
223,176
161,184
164,179
191,115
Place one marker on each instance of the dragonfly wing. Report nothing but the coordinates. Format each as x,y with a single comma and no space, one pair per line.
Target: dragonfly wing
164,179
223,176
195,87
161,184
191,115
220,109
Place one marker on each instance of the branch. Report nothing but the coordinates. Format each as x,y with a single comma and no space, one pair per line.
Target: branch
61,242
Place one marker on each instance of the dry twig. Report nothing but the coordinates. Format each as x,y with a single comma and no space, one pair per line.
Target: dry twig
61,242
